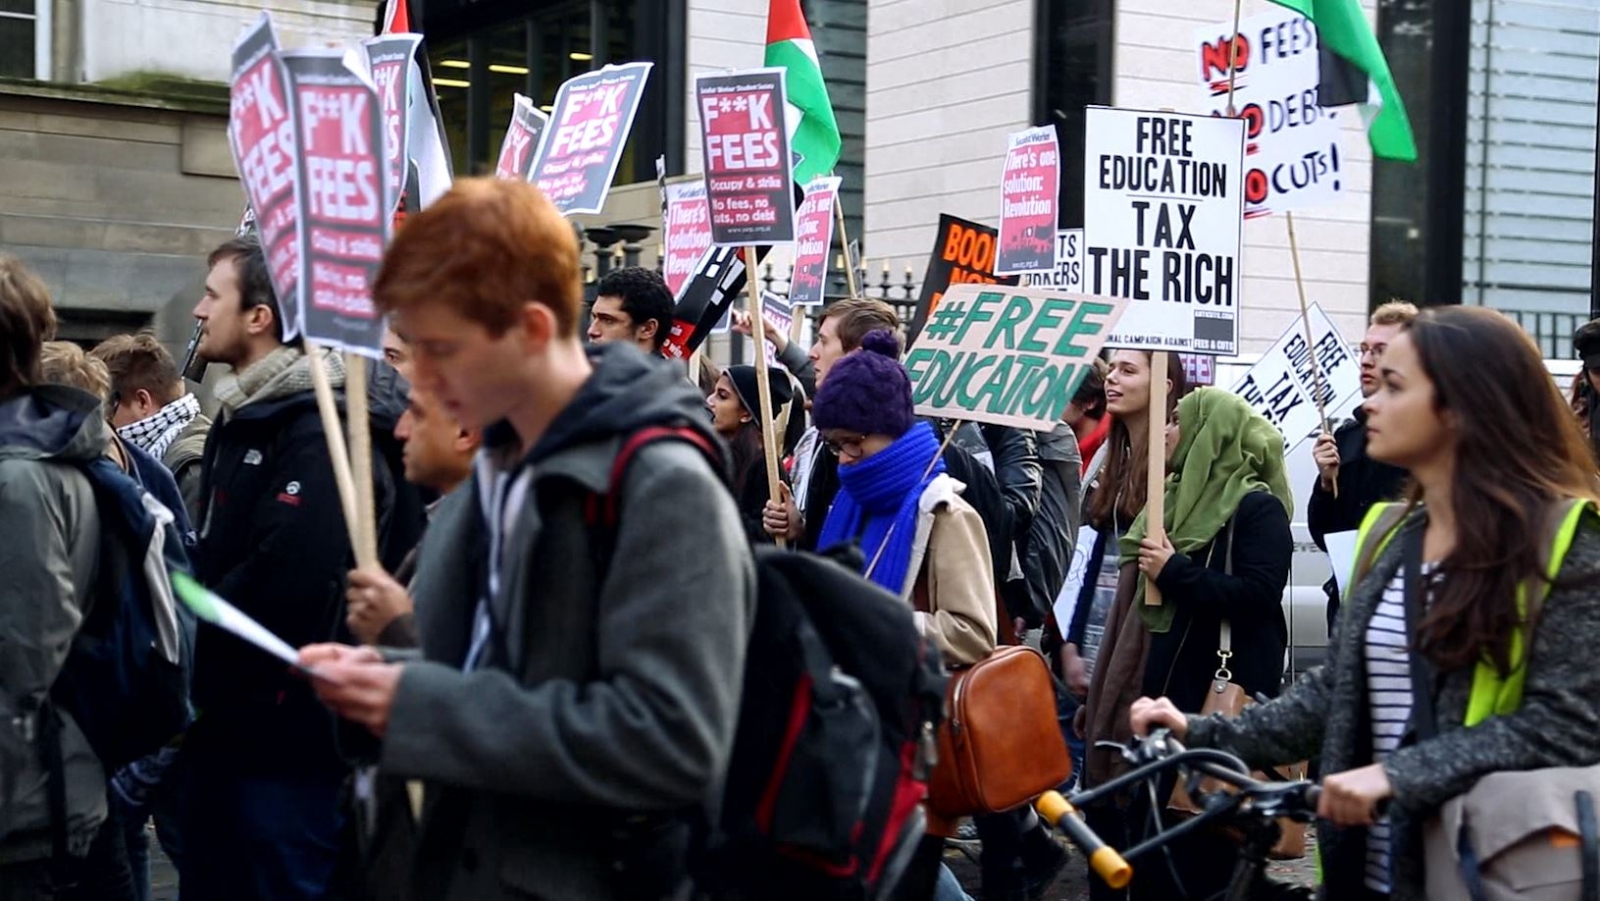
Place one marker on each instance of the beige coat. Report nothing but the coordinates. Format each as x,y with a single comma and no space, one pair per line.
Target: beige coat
951,540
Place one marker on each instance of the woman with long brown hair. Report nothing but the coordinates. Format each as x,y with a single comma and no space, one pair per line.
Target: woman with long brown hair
1117,485
1496,460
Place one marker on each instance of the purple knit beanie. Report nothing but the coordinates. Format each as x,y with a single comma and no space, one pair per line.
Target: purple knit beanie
867,391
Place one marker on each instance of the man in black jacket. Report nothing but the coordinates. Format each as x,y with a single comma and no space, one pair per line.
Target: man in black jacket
264,779
1342,456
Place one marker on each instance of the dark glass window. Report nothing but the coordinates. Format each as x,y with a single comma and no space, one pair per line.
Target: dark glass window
1072,69
18,30
483,53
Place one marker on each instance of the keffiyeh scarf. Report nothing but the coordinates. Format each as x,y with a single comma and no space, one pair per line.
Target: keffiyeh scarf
155,433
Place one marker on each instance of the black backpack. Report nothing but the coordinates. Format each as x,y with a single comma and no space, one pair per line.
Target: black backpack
822,798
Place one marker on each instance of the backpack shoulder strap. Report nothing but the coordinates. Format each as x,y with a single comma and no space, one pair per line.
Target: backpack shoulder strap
1379,527
603,510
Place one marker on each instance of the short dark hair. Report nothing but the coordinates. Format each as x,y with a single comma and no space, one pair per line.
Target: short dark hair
644,296
26,321
1091,393
140,361
255,283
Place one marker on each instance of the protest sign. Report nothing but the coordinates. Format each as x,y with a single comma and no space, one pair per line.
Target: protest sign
521,143
746,152
1200,370
1068,274
705,299
1009,356
1028,200
1163,216
963,253
592,116
685,233
813,242
261,135
778,311
389,61
1282,386
339,188
1292,156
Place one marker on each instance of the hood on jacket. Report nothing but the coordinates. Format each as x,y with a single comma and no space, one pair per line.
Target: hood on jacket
627,392
53,422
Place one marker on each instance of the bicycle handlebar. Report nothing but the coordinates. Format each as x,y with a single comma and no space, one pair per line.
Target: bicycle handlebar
1103,859
1156,754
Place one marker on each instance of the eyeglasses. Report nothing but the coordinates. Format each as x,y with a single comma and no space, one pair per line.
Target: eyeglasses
1373,350
845,447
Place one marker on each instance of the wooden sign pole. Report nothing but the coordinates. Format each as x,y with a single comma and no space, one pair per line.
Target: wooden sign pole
1155,513
334,434
1311,342
360,426
769,437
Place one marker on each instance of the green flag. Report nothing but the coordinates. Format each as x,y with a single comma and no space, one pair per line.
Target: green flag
813,132
1354,69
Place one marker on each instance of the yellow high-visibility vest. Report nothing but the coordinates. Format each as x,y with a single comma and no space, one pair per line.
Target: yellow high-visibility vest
1493,693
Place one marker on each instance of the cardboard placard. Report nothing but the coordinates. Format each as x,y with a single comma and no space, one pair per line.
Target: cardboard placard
1292,159
1282,385
1028,200
745,147
591,118
685,233
1009,356
779,312
1164,204
705,299
813,242
1068,274
389,61
339,189
261,135
1199,369
520,146
963,253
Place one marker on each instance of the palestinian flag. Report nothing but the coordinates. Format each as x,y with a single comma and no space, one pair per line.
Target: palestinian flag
813,132
1354,71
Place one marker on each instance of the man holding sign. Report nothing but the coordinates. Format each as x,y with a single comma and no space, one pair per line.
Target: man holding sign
264,777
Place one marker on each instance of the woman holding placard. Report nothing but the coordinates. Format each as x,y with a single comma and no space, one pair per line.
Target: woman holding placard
1218,633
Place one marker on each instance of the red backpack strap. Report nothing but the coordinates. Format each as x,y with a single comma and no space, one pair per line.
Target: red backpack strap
631,447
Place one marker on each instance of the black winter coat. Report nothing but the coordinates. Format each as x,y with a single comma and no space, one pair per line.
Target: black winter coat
1362,480
274,544
1183,660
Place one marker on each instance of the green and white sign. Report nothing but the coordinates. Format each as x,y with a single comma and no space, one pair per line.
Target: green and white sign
1010,356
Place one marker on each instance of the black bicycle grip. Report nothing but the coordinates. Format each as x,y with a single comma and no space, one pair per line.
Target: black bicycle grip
1103,859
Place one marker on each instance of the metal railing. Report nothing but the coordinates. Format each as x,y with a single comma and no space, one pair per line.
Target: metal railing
1551,331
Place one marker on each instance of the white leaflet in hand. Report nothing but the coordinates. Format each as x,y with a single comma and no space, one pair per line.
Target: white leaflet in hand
1342,557
1066,605
213,609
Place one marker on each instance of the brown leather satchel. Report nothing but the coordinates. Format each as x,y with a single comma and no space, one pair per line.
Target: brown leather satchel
999,745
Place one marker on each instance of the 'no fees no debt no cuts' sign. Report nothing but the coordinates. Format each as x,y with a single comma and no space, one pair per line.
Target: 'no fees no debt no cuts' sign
1292,159
1009,356
746,151
1163,218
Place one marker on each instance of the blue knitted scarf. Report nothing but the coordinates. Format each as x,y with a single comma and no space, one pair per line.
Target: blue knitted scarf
883,491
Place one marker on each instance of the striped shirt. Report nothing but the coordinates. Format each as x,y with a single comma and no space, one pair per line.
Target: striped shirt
1389,696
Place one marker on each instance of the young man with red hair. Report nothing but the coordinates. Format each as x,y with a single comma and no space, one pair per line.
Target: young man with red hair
575,706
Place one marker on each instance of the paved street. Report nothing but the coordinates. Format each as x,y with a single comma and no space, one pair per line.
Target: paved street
1072,886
